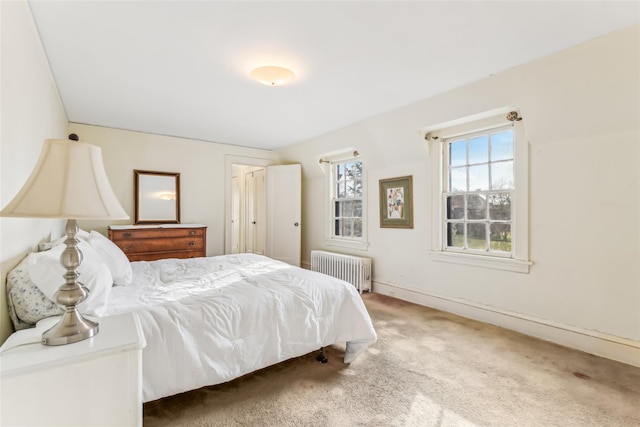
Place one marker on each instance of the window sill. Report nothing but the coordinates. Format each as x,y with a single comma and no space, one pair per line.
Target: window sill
362,246
506,264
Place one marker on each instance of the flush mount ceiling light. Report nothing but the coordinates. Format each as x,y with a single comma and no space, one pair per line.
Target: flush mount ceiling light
272,75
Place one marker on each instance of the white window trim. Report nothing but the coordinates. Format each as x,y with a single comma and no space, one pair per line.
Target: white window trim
325,161
520,221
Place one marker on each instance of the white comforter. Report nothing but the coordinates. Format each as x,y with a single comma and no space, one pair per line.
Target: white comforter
210,320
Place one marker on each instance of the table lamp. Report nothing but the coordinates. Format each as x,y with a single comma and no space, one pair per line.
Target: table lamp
68,182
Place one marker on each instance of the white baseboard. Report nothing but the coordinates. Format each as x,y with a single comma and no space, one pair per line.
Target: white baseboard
592,342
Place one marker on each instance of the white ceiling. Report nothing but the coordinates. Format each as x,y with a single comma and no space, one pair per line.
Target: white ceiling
182,68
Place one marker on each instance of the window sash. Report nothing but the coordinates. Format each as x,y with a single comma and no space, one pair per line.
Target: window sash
347,219
485,245
487,220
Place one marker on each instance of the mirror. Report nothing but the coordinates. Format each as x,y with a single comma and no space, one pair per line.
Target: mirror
157,197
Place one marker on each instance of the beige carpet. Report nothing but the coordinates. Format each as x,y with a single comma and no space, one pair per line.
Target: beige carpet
429,368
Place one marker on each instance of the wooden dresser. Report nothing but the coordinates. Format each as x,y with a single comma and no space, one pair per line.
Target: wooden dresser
152,242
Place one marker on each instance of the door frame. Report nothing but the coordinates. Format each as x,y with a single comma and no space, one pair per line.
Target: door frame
229,161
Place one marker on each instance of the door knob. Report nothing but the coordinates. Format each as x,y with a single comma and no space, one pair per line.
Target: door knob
296,224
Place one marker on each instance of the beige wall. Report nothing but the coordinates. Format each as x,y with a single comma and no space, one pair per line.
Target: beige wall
202,168
582,120
30,112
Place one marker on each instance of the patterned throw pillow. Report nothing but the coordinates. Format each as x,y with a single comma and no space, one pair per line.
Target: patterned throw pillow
27,304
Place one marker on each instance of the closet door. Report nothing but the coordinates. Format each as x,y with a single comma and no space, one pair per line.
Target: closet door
235,215
260,204
284,200
255,196
250,220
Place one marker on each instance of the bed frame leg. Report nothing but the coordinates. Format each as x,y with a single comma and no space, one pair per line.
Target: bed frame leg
321,357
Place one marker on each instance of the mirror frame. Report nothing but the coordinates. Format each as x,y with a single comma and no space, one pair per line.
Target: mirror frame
139,208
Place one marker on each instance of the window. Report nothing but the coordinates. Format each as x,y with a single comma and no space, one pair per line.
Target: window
480,193
347,199
478,190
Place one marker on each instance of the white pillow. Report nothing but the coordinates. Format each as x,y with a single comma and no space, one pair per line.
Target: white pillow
113,256
47,273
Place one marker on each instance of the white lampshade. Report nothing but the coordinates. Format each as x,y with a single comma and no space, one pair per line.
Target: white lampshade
272,75
69,181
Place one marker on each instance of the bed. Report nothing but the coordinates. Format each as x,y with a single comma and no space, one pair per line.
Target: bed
205,320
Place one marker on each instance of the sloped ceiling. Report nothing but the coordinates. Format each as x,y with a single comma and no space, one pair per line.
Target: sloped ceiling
181,68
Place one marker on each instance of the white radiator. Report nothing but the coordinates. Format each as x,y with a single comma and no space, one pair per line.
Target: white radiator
353,269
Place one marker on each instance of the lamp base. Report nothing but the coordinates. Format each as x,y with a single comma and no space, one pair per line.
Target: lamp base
71,328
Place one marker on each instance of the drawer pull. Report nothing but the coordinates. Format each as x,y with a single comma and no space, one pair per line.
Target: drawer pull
192,244
128,247
192,233
127,234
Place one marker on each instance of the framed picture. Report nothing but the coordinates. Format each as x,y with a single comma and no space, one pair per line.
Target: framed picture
396,202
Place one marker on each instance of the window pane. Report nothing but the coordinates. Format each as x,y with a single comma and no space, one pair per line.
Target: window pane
357,228
348,228
455,235
458,153
337,209
476,206
341,190
500,206
479,149
350,189
348,170
357,208
502,175
339,172
479,177
358,188
358,170
477,236
338,227
347,209
455,207
502,146
501,237
458,179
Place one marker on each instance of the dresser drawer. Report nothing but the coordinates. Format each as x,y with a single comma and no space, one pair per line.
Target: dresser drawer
153,233
163,255
158,245
153,243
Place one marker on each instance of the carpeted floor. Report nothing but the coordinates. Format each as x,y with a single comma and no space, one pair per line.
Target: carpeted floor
429,368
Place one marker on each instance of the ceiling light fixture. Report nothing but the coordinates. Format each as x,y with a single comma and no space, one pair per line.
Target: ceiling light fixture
272,76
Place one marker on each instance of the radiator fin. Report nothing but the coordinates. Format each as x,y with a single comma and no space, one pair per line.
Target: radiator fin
352,269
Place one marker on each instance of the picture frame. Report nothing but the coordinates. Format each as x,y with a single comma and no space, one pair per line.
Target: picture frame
396,202
156,197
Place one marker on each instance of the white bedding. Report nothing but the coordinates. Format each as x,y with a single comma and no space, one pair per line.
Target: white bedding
209,320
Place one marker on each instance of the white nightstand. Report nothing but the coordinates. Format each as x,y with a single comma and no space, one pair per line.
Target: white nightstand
95,382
